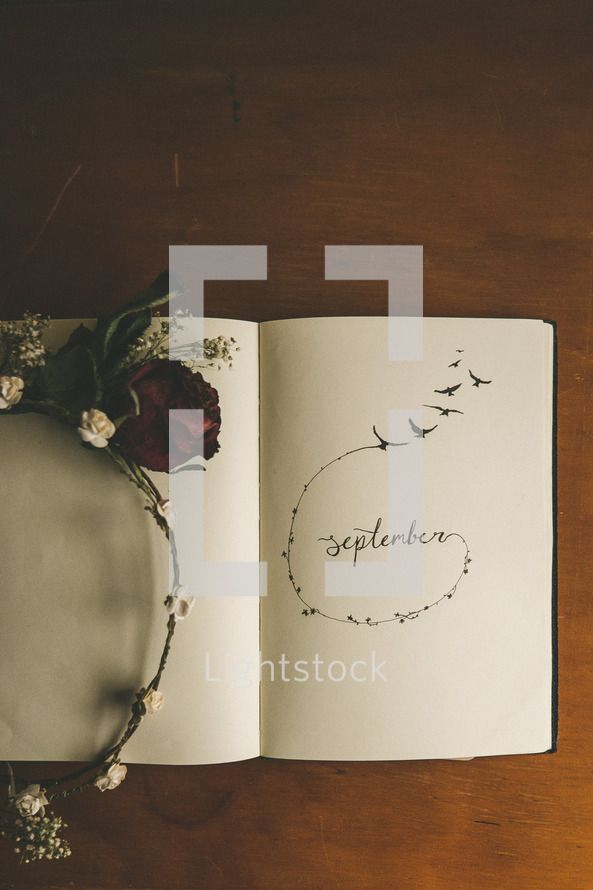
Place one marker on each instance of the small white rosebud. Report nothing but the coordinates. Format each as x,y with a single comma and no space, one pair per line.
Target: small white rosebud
165,509
96,428
11,391
179,603
114,776
31,800
153,701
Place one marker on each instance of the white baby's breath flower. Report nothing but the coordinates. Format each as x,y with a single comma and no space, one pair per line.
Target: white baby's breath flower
179,603
113,777
165,509
153,701
31,800
11,391
96,428
219,350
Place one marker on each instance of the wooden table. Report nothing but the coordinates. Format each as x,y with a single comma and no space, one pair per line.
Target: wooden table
463,126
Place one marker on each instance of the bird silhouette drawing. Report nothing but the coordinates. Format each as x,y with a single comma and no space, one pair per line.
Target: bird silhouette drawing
449,390
460,350
477,380
455,364
444,411
418,432
383,443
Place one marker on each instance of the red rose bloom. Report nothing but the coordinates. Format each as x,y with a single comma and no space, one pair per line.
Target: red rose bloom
161,385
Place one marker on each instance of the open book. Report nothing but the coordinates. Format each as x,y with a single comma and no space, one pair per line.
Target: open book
383,634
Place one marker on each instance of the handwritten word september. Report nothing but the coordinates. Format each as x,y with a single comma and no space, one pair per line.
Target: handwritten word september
370,538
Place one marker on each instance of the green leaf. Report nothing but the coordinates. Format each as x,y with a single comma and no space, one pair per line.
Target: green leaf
69,379
134,413
128,330
116,331
80,336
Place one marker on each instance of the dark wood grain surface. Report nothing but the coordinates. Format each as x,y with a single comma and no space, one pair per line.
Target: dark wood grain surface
463,126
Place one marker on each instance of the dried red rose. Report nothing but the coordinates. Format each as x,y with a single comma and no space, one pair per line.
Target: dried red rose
161,385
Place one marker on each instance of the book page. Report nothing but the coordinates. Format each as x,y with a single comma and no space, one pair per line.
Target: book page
85,573
414,625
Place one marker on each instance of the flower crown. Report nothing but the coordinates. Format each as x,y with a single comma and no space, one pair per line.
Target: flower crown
114,385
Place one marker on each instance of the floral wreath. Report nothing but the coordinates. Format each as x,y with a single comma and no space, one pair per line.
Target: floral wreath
114,384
